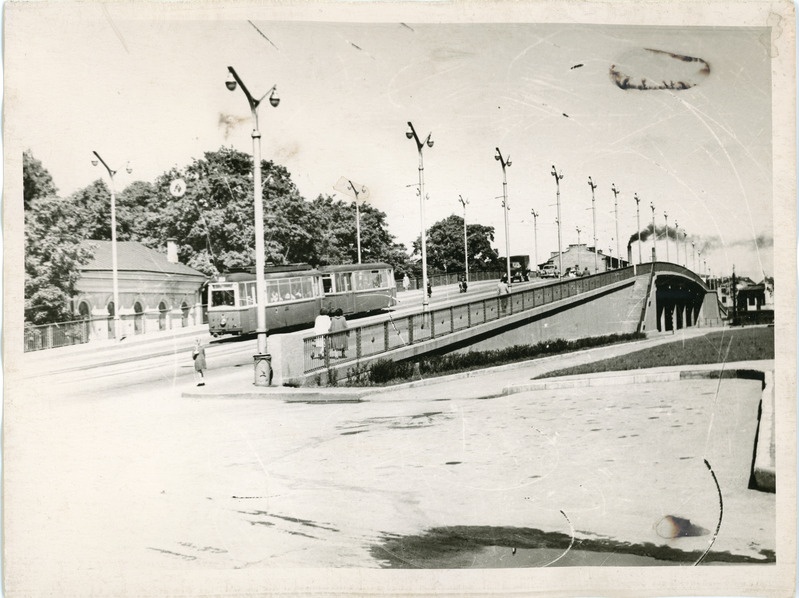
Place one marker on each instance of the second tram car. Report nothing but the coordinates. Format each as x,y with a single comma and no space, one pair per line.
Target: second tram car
295,295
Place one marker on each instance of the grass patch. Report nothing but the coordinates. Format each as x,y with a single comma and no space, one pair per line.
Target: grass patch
386,371
728,345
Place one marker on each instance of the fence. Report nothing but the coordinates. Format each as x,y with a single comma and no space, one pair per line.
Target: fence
450,278
63,334
323,351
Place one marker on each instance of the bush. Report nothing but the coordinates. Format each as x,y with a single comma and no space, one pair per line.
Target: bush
384,371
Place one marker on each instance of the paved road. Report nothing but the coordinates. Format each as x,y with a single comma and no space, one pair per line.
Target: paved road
102,486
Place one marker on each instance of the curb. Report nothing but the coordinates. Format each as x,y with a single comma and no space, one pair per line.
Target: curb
287,395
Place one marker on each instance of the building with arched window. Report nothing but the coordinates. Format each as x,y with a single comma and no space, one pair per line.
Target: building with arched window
156,293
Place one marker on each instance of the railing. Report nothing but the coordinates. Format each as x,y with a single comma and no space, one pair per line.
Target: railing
323,351
48,336
449,278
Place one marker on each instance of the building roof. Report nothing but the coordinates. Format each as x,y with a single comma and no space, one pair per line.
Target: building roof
133,257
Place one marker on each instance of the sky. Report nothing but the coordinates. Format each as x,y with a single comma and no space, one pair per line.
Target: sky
699,147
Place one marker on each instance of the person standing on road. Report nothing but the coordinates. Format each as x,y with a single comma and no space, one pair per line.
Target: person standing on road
199,363
502,286
406,282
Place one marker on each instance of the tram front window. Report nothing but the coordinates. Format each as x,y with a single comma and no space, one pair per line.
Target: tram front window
223,297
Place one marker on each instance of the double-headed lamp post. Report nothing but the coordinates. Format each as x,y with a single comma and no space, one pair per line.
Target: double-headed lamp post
114,265
263,367
638,223
411,134
593,210
505,164
558,178
535,237
654,235
465,238
616,210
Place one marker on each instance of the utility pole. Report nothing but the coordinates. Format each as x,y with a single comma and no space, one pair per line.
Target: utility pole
535,237
666,216
616,209
677,241
638,224
654,234
558,177
465,241
578,235
593,210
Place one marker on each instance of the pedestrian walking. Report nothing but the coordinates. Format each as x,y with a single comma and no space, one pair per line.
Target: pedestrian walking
339,341
199,363
502,286
321,326
406,282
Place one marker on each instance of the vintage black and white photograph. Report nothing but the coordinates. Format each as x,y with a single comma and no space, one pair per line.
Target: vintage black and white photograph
431,299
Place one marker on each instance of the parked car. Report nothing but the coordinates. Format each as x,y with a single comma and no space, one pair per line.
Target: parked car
549,271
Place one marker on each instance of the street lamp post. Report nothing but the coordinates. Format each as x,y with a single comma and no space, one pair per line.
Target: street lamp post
558,177
465,238
666,216
535,237
114,263
411,134
685,247
654,235
262,360
505,164
677,241
578,235
616,210
593,210
693,254
638,223
357,215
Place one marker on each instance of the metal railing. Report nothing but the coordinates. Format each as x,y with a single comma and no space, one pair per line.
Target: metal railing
48,336
321,351
442,279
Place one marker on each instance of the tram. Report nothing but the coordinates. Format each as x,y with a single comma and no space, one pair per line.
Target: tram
295,294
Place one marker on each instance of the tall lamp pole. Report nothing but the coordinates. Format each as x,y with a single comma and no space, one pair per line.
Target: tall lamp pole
677,241
685,247
558,177
666,216
411,134
262,360
654,235
465,238
505,164
638,223
577,228
114,264
535,237
593,210
693,254
616,210
354,189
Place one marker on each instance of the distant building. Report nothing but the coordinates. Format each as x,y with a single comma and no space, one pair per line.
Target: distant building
155,291
579,257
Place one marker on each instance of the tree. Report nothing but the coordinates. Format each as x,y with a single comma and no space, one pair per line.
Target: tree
53,256
445,246
36,180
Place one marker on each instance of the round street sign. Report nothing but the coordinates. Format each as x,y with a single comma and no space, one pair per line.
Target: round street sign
177,187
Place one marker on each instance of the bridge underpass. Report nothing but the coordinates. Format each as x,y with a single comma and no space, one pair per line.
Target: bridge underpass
652,297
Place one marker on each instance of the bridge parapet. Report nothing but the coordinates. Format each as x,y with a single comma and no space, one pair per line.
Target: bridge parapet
321,352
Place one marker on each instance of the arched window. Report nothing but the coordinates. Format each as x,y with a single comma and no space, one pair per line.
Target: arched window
84,311
184,314
162,316
111,312
138,318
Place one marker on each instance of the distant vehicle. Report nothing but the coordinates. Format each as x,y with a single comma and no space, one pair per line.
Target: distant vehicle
295,294
549,271
519,268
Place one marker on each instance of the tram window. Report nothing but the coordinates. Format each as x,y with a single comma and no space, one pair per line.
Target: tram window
285,289
223,297
307,287
272,292
344,282
296,289
377,279
327,284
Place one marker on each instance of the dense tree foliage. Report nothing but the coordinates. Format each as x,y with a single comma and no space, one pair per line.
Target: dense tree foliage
212,223
53,255
445,246
36,180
